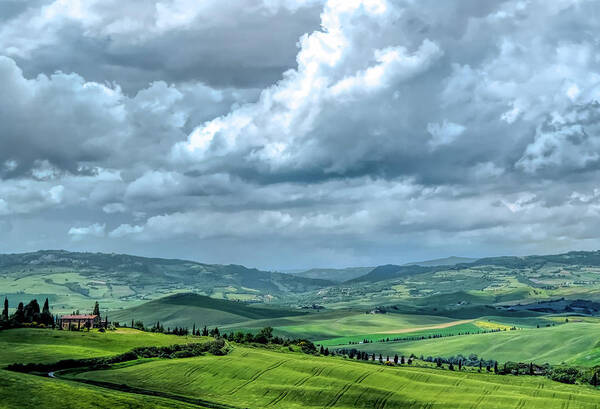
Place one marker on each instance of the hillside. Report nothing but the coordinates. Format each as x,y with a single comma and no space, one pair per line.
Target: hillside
188,309
258,378
337,275
448,261
76,280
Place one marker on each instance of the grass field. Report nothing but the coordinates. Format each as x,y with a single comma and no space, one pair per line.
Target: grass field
574,343
46,346
18,391
257,378
183,310
460,327
340,323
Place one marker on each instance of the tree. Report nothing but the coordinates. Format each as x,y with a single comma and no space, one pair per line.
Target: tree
380,358
402,360
451,366
87,325
460,364
594,380
205,331
46,317
531,368
32,311
5,310
322,350
194,329
214,332
396,359
96,309
495,366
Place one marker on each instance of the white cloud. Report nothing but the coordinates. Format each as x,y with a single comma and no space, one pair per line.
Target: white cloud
125,230
94,230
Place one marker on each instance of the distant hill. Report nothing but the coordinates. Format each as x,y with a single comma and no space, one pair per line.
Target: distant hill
571,259
73,280
186,309
448,261
337,275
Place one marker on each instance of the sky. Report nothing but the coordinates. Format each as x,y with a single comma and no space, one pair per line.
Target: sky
286,134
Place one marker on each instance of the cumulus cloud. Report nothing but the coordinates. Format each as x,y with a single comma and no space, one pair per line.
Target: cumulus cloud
94,230
323,132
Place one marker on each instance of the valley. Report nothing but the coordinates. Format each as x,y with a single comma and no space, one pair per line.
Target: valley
537,311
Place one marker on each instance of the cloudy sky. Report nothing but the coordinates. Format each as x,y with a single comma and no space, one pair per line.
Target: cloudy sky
300,133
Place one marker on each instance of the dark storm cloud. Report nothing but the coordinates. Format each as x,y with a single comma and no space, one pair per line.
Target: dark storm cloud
397,130
237,49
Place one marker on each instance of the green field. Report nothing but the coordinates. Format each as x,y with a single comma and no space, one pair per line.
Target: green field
185,309
46,346
453,330
573,343
339,323
18,391
258,378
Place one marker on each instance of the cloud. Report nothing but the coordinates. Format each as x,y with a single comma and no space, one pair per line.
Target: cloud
94,230
125,230
365,131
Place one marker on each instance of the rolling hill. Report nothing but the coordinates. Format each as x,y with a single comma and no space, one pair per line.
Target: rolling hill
337,275
76,280
187,309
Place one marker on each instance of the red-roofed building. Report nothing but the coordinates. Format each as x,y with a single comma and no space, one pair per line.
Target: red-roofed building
79,321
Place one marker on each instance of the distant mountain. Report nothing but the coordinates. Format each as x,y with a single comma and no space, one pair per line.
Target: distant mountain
337,275
187,309
448,261
71,279
571,259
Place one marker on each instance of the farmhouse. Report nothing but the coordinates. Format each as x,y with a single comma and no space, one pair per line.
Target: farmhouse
79,321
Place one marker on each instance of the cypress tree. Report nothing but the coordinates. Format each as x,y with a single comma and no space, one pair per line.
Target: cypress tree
460,364
402,360
594,380
46,316
96,309
19,315
496,367
396,359
5,310
194,329
531,368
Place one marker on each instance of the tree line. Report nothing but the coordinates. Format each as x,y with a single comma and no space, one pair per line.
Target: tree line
27,315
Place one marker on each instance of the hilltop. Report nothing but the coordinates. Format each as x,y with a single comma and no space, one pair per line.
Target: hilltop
74,280
186,309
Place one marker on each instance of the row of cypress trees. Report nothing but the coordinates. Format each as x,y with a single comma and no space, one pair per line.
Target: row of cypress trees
26,314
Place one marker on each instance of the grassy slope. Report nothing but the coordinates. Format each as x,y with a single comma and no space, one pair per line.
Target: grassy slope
254,378
18,391
570,343
452,330
333,324
187,309
45,346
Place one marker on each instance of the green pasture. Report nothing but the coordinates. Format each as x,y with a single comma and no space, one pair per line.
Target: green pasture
572,343
18,391
258,378
46,346
378,338
340,323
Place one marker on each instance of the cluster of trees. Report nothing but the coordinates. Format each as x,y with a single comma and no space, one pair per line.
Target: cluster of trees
27,315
